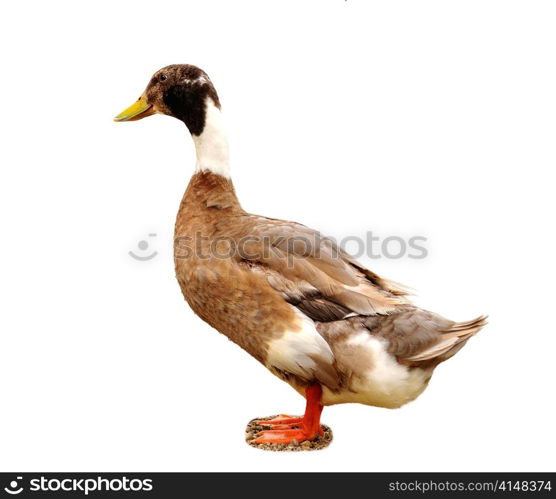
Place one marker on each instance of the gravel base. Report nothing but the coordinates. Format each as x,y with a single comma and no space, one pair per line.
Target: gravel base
317,444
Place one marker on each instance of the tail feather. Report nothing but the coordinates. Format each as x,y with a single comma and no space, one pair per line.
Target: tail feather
451,341
463,326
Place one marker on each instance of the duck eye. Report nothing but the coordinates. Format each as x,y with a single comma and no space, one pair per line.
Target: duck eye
162,77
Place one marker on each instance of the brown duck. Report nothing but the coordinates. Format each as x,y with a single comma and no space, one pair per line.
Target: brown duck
316,318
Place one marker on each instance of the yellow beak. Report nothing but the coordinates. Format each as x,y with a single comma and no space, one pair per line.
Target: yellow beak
139,109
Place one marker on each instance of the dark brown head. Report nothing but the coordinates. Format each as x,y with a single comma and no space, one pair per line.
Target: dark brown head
179,90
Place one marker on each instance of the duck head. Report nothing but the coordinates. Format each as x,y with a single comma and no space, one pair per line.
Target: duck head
186,93
178,90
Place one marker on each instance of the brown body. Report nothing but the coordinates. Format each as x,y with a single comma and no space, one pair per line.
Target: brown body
220,288
243,275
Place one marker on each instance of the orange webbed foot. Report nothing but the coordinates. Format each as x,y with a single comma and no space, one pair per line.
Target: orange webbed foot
284,436
286,429
281,422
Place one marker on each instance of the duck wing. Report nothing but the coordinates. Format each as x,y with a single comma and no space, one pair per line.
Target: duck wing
314,274
342,297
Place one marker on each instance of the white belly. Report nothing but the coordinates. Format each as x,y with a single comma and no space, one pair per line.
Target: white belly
377,378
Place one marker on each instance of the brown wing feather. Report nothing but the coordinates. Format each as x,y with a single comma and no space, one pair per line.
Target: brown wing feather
316,275
343,297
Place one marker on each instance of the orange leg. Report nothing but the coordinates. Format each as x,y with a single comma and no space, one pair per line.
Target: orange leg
286,429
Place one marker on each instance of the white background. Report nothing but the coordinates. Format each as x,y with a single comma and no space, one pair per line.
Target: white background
406,118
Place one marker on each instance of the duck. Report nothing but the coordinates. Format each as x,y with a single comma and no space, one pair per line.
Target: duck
318,319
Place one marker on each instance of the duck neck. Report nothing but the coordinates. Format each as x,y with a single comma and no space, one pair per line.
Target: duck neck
211,144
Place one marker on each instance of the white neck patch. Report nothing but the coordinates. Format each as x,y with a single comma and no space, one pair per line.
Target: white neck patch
212,145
